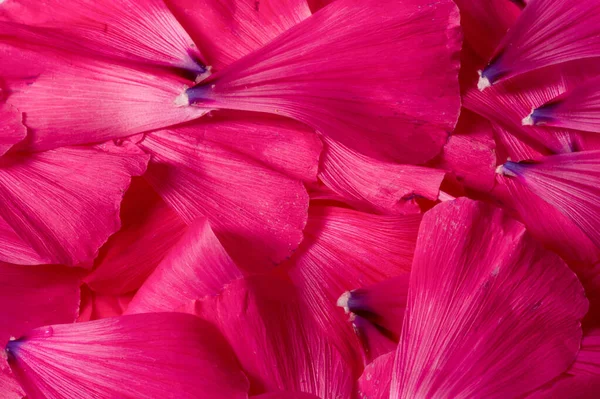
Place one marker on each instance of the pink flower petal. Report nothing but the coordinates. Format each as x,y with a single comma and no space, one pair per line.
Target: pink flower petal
156,355
473,136
34,296
395,60
285,395
227,30
13,249
344,250
577,108
579,387
375,381
370,184
9,387
12,129
509,103
80,102
138,30
485,23
257,213
149,230
281,144
588,358
484,297
197,266
81,189
568,182
96,306
544,34
378,311
291,355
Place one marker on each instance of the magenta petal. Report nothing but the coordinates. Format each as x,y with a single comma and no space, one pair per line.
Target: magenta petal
378,311
149,356
84,101
569,387
257,213
12,129
149,229
80,210
285,395
568,182
197,266
344,250
544,34
588,358
226,30
136,30
276,340
370,184
13,249
575,109
395,60
490,312
376,380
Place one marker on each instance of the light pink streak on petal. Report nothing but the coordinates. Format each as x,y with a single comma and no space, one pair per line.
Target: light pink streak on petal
89,102
484,297
372,185
281,144
197,266
81,188
344,250
227,30
396,61
149,356
133,30
257,213
13,249
12,129
544,34
149,230
375,381
276,340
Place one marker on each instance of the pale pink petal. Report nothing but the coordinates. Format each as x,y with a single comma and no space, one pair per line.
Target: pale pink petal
577,108
344,250
374,185
227,30
375,381
88,102
568,182
378,311
155,355
276,340
485,23
9,387
197,266
473,136
257,213
137,30
490,313
81,188
282,144
544,34
149,229
395,60
12,129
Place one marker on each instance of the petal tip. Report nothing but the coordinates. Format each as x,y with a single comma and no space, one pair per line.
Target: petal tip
528,120
483,82
342,301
